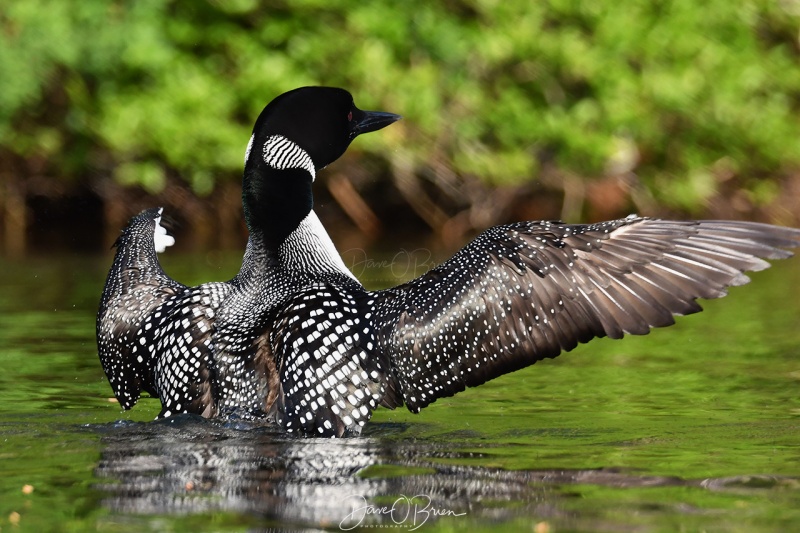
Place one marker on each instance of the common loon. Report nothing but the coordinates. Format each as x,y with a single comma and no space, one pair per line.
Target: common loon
294,336
198,349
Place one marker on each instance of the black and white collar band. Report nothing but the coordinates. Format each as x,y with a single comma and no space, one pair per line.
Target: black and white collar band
280,153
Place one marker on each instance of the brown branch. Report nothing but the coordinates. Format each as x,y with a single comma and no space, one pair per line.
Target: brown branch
15,215
354,205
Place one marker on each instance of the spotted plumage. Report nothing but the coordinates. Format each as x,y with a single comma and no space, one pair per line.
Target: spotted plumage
135,286
155,334
528,291
295,337
332,375
225,348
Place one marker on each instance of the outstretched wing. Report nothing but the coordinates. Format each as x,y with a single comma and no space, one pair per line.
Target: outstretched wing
524,292
135,286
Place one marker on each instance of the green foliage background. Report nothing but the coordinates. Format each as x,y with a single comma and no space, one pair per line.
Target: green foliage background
676,91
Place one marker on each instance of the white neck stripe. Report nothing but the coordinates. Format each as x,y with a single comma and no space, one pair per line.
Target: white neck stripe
309,249
249,147
280,153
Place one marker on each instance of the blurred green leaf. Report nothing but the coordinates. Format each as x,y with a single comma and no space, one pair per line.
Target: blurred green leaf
486,87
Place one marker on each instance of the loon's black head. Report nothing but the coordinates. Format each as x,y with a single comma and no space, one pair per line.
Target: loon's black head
320,120
298,133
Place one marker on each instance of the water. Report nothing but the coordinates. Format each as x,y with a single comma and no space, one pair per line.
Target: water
693,427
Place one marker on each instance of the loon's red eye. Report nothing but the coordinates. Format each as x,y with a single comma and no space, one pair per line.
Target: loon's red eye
350,116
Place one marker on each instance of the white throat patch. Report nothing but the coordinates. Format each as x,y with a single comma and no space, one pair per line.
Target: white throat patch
280,153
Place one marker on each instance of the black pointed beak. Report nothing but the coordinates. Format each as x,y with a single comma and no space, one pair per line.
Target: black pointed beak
373,121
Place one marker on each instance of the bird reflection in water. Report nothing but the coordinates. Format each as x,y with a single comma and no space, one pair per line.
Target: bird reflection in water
190,465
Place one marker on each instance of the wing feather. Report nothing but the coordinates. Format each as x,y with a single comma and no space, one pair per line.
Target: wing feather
528,291
135,286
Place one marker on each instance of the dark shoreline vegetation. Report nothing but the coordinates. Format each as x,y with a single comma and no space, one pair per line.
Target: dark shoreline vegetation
511,110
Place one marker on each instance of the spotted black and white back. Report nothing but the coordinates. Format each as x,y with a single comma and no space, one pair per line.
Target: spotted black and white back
176,337
332,375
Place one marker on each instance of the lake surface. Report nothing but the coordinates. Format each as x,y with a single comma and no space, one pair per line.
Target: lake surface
693,427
